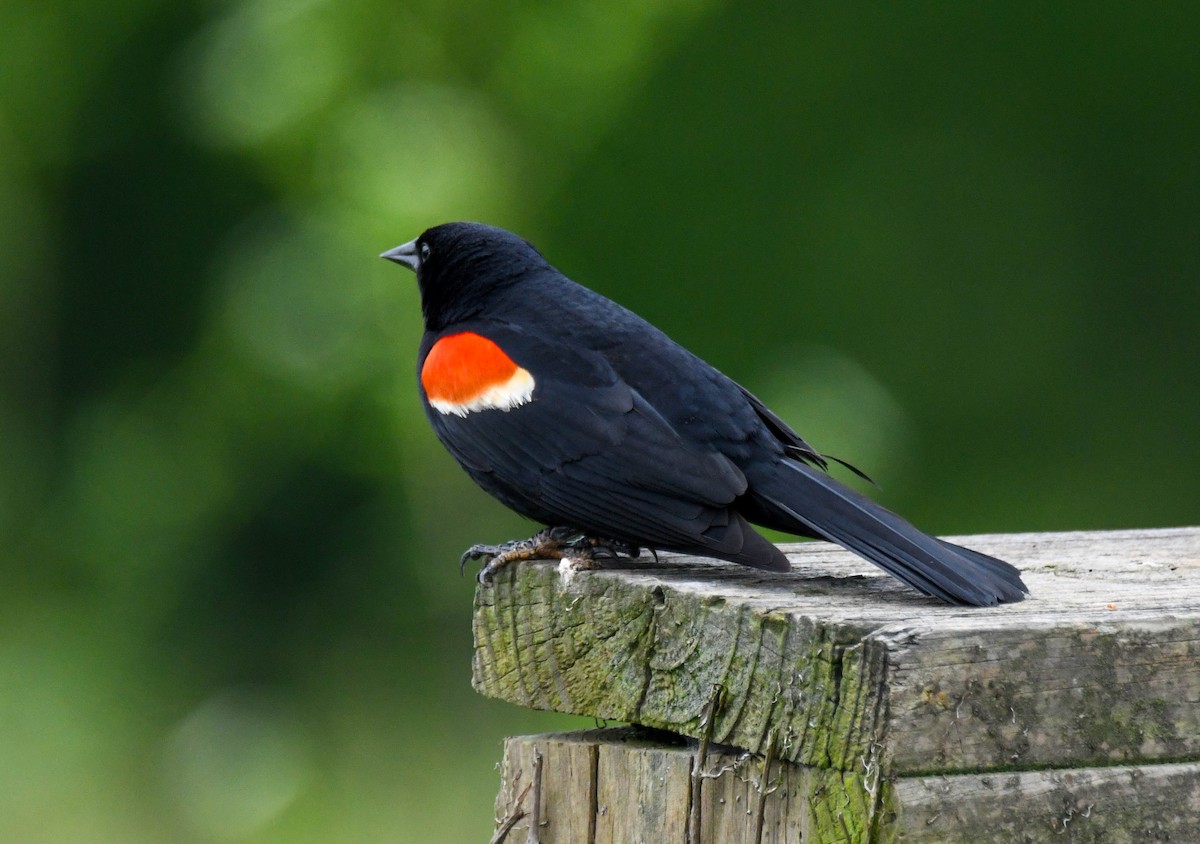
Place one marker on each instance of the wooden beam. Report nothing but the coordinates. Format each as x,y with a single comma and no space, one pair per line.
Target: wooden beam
639,786
851,671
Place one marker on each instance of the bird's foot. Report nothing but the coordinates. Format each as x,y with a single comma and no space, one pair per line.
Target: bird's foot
594,548
557,543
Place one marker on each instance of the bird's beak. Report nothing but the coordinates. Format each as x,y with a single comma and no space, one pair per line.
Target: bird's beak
405,254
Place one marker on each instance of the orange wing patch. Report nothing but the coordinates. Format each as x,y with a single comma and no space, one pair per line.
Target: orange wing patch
468,372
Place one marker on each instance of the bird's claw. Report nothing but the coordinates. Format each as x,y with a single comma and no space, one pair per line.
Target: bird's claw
478,552
553,543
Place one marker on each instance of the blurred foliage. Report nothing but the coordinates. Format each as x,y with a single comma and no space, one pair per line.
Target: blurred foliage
957,244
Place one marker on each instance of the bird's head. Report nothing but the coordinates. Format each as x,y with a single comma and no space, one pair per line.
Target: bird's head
459,264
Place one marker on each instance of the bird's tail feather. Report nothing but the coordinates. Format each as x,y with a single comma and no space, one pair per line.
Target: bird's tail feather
813,502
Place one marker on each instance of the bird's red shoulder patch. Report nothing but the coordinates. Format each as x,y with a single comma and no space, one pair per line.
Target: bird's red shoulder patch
467,372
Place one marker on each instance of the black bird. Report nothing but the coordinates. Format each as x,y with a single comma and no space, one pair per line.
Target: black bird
580,415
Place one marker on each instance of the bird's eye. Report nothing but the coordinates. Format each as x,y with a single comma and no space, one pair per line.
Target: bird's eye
424,247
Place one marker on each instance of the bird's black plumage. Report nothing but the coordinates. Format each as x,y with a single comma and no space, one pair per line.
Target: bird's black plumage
616,431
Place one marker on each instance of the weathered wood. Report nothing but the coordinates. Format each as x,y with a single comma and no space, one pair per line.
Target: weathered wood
641,787
1121,803
853,672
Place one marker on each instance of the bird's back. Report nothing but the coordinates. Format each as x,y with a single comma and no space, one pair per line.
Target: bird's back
703,405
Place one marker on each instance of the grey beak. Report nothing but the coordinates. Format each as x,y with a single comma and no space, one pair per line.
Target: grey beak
405,254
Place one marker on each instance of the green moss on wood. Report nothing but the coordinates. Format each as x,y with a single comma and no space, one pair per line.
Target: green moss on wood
842,807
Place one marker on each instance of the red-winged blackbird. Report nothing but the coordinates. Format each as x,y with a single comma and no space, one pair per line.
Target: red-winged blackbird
579,414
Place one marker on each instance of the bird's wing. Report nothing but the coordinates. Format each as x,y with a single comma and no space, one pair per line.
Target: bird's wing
586,450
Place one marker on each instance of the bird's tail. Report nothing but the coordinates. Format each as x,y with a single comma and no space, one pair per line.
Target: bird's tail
802,499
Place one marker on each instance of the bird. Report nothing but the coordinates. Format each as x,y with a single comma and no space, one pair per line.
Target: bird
580,415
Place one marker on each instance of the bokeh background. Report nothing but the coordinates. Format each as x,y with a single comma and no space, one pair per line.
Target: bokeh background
957,244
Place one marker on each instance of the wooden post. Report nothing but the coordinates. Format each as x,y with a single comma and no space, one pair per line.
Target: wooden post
1074,715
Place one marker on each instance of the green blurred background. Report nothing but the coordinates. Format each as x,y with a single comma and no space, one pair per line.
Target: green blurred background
957,244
